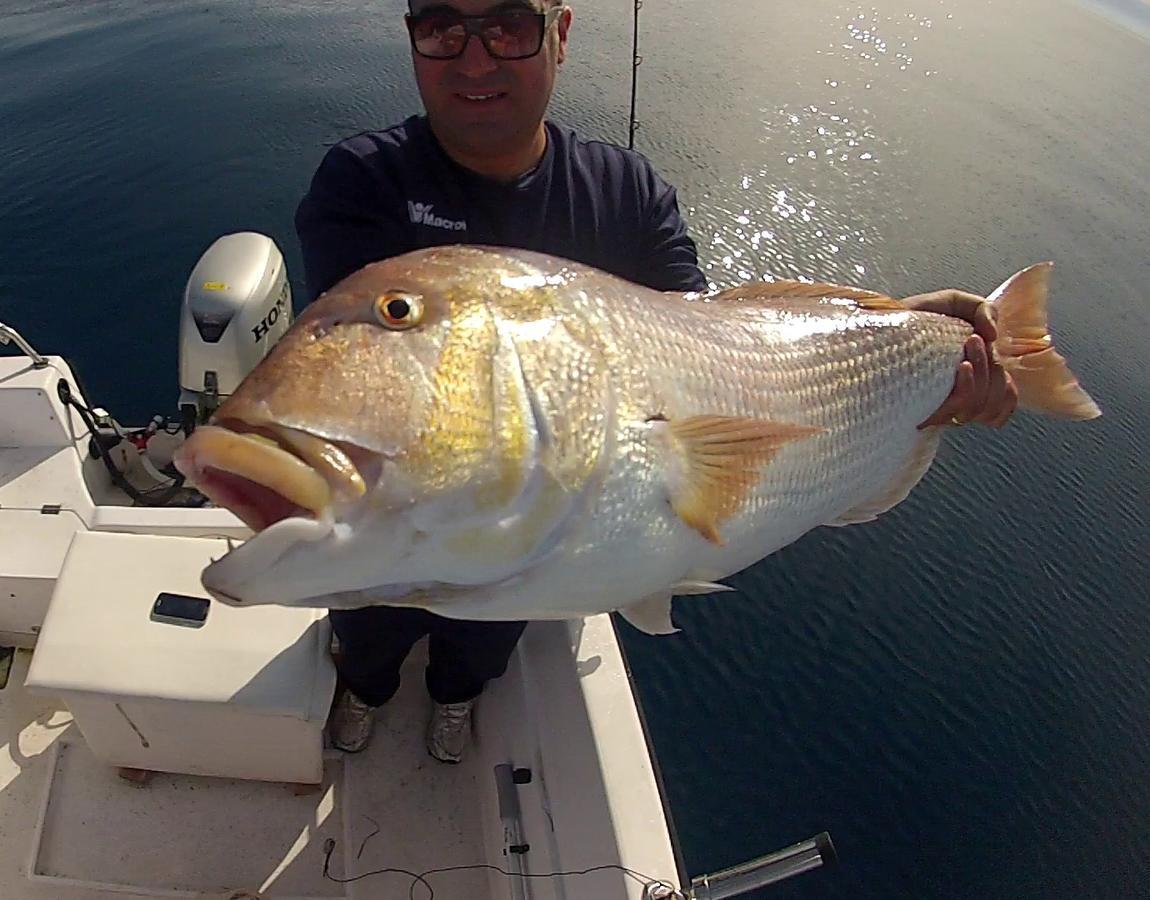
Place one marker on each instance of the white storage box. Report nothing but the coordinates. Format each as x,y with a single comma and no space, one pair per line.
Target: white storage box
243,695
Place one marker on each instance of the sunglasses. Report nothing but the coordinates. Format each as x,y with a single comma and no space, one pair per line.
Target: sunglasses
444,33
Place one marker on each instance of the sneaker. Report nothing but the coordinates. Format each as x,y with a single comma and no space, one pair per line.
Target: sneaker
448,730
349,727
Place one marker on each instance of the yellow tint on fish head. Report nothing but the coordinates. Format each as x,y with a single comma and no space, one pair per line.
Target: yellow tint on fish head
562,353
480,430
459,435
405,358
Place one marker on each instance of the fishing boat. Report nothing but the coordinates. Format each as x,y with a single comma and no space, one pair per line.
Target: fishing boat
158,744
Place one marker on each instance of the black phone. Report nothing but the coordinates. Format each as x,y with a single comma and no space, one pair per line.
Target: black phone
180,609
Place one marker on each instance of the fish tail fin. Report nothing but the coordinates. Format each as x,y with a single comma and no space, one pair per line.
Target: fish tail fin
1025,348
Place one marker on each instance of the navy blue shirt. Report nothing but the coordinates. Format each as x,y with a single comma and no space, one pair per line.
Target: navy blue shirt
383,193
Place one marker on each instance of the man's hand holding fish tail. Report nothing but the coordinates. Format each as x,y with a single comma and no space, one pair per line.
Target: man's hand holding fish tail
983,390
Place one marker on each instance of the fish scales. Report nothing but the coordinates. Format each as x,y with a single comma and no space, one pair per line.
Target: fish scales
789,360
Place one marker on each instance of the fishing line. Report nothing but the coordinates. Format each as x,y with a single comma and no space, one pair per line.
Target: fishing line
636,61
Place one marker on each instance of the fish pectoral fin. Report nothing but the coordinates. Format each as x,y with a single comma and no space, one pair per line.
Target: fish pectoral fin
712,463
895,491
651,615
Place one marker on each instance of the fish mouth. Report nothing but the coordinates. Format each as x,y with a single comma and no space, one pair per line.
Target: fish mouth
266,473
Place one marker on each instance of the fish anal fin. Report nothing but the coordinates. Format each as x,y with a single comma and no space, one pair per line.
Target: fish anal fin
682,588
900,486
712,463
651,615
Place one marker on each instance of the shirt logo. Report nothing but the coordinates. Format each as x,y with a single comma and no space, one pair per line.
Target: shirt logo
421,215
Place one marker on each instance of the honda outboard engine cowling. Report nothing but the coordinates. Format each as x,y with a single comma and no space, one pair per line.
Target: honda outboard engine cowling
237,304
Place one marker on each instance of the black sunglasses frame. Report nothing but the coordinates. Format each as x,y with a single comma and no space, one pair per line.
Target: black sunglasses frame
473,25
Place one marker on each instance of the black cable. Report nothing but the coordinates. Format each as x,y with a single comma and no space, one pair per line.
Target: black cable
64,391
421,877
369,837
329,848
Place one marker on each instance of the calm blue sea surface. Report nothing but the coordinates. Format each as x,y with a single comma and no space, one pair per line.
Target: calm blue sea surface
959,692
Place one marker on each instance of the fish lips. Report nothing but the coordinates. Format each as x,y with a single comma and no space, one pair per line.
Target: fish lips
267,473
286,485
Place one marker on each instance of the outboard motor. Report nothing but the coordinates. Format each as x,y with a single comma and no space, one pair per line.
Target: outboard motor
237,304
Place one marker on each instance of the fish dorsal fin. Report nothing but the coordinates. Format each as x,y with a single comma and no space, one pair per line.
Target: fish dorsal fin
712,463
778,293
897,489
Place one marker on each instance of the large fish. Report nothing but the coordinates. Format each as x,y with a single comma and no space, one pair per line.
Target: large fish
499,434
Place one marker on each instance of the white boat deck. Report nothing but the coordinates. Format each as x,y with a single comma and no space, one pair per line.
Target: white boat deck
72,829
183,835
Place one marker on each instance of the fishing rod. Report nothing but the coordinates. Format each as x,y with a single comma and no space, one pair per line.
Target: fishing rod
636,61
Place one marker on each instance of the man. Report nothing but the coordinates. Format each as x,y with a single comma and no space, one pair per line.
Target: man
484,166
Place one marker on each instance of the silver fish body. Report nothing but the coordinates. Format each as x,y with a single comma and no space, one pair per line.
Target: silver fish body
545,440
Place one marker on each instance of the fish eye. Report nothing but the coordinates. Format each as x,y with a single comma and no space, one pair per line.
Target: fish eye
398,310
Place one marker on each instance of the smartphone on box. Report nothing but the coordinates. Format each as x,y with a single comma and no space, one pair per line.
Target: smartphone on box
180,609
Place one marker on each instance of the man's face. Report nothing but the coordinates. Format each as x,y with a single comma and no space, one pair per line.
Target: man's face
481,106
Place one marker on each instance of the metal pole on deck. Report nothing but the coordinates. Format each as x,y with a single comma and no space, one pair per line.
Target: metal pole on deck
11,334
766,870
507,777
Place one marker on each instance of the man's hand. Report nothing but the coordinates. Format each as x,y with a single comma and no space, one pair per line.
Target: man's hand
982,392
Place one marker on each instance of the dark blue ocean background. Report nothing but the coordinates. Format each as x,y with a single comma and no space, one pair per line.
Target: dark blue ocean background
959,692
